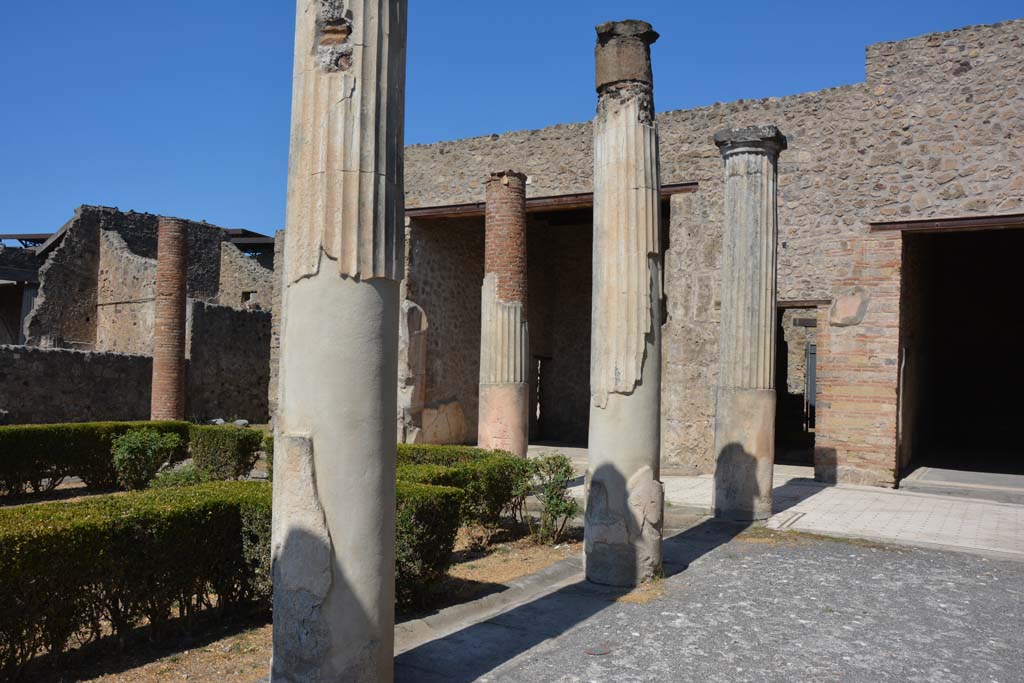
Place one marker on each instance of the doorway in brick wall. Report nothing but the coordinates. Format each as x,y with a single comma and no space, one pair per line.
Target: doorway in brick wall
795,384
962,352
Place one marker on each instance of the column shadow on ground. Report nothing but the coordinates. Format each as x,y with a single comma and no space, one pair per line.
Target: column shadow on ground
470,653
475,650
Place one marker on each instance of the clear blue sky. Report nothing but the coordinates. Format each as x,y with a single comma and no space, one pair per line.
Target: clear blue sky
182,107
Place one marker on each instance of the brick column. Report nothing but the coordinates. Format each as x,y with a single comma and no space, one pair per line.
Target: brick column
168,394
745,416
624,497
504,341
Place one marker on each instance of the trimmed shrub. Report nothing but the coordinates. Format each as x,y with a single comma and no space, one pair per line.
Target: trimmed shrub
73,570
224,452
36,457
447,455
267,446
426,523
184,475
491,481
70,567
140,453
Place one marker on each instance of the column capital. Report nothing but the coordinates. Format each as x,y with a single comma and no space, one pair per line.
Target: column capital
764,139
623,52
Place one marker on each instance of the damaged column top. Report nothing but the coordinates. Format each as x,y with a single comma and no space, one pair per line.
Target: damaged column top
623,53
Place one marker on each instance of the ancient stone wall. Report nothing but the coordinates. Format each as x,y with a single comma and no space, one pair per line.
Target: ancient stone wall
936,130
64,314
126,288
229,363
61,385
245,282
445,270
275,324
88,271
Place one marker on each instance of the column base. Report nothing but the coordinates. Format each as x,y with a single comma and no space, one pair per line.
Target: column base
745,452
504,422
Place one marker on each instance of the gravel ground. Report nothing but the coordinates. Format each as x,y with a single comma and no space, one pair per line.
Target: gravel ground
760,606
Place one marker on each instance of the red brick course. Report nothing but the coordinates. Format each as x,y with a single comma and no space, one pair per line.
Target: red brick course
168,395
505,242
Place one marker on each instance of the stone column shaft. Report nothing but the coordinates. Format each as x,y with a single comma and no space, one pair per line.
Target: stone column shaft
333,545
745,415
624,497
167,396
504,339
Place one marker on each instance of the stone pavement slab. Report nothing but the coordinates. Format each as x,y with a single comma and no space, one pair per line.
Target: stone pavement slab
757,607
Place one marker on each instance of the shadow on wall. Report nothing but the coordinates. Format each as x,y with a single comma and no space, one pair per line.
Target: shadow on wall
826,465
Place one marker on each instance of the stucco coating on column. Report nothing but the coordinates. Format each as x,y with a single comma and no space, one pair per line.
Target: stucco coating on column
745,414
624,497
334,486
504,334
167,398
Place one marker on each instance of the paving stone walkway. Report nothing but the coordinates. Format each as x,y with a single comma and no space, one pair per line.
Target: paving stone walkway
758,607
887,515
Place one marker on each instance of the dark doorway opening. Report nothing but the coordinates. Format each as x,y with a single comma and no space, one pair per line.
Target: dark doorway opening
795,385
962,352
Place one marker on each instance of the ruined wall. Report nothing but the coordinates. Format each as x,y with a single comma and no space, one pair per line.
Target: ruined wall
125,293
74,284
936,130
60,385
64,314
275,321
244,282
229,363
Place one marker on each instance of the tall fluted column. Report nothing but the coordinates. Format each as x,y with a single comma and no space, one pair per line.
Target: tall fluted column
167,396
624,497
504,341
333,546
745,416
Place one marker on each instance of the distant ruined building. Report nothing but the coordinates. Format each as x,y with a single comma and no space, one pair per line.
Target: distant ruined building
900,233
77,311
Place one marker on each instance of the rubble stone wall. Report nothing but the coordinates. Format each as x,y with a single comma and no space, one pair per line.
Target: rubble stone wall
244,281
62,385
229,363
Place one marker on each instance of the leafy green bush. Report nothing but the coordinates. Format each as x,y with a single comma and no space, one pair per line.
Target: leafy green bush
184,475
139,454
549,482
72,570
37,456
426,523
224,452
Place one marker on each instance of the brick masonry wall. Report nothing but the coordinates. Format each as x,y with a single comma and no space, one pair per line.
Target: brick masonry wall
61,385
229,367
936,130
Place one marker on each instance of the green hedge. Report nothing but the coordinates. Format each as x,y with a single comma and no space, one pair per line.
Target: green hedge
431,454
224,452
32,454
426,523
124,560
37,457
491,483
